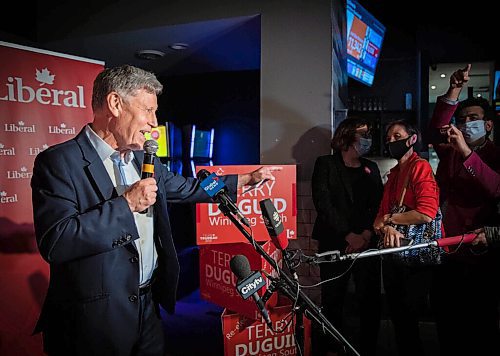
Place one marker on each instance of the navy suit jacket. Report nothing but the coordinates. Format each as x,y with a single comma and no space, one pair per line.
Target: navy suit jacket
86,232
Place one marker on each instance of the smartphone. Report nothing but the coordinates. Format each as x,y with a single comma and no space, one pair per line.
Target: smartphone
404,241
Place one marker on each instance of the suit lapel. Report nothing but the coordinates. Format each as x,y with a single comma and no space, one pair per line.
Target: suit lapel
102,183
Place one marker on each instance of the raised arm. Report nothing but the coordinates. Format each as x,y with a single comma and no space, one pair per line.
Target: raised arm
445,108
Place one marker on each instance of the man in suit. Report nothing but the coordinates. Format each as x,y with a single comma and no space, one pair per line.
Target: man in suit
110,265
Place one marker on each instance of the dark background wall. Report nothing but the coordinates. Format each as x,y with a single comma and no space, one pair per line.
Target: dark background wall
225,101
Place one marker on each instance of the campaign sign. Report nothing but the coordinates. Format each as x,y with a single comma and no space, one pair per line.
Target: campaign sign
245,337
218,282
213,227
45,99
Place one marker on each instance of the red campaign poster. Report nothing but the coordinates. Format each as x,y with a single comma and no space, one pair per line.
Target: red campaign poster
212,227
246,337
45,98
218,282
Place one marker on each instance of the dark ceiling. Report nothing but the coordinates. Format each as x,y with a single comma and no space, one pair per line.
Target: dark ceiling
443,30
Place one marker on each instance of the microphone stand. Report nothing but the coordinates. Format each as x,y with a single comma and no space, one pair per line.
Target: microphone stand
334,256
290,288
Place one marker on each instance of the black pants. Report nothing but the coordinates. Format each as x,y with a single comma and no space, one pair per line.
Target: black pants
407,289
366,275
148,340
151,339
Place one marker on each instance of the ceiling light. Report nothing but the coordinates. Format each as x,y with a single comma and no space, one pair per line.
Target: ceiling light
433,87
178,46
149,54
443,75
479,95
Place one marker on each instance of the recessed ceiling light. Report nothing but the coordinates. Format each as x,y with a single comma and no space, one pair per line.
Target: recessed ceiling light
178,46
443,75
149,54
433,87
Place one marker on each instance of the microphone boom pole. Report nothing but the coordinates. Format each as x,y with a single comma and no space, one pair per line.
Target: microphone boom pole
291,289
334,256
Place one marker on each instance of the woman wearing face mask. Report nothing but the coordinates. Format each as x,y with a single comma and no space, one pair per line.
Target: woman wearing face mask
406,286
468,175
346,191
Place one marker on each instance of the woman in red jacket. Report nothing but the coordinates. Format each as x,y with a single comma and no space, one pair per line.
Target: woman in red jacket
406,286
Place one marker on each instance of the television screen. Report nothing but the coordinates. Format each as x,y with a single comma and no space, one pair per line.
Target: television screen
202,143
364,42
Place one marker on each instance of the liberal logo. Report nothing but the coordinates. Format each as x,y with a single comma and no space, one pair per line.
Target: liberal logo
7,199
62,130
19,127
16,91
33,151
20,174
7,151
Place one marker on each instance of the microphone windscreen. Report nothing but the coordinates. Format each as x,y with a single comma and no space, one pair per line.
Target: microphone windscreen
202,174
150,147
240,266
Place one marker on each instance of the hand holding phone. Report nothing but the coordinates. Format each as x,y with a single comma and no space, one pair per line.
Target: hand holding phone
404,241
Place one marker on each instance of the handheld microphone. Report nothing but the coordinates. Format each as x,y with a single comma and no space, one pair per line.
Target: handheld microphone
249,283
214,187
273,224
148,164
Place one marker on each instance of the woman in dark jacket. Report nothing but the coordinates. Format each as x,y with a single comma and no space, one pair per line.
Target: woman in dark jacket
346,190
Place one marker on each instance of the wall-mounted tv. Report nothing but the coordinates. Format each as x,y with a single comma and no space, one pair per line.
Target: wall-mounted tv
365,35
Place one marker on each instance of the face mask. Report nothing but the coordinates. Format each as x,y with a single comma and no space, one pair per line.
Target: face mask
398,149
473,130
363,146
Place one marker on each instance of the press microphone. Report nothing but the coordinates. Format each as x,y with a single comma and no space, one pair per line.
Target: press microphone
215,188
249,283
273,223
148,164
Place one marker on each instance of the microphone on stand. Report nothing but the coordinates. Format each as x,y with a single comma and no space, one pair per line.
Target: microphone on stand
275,228
148,164
249,283
215,188
273,224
